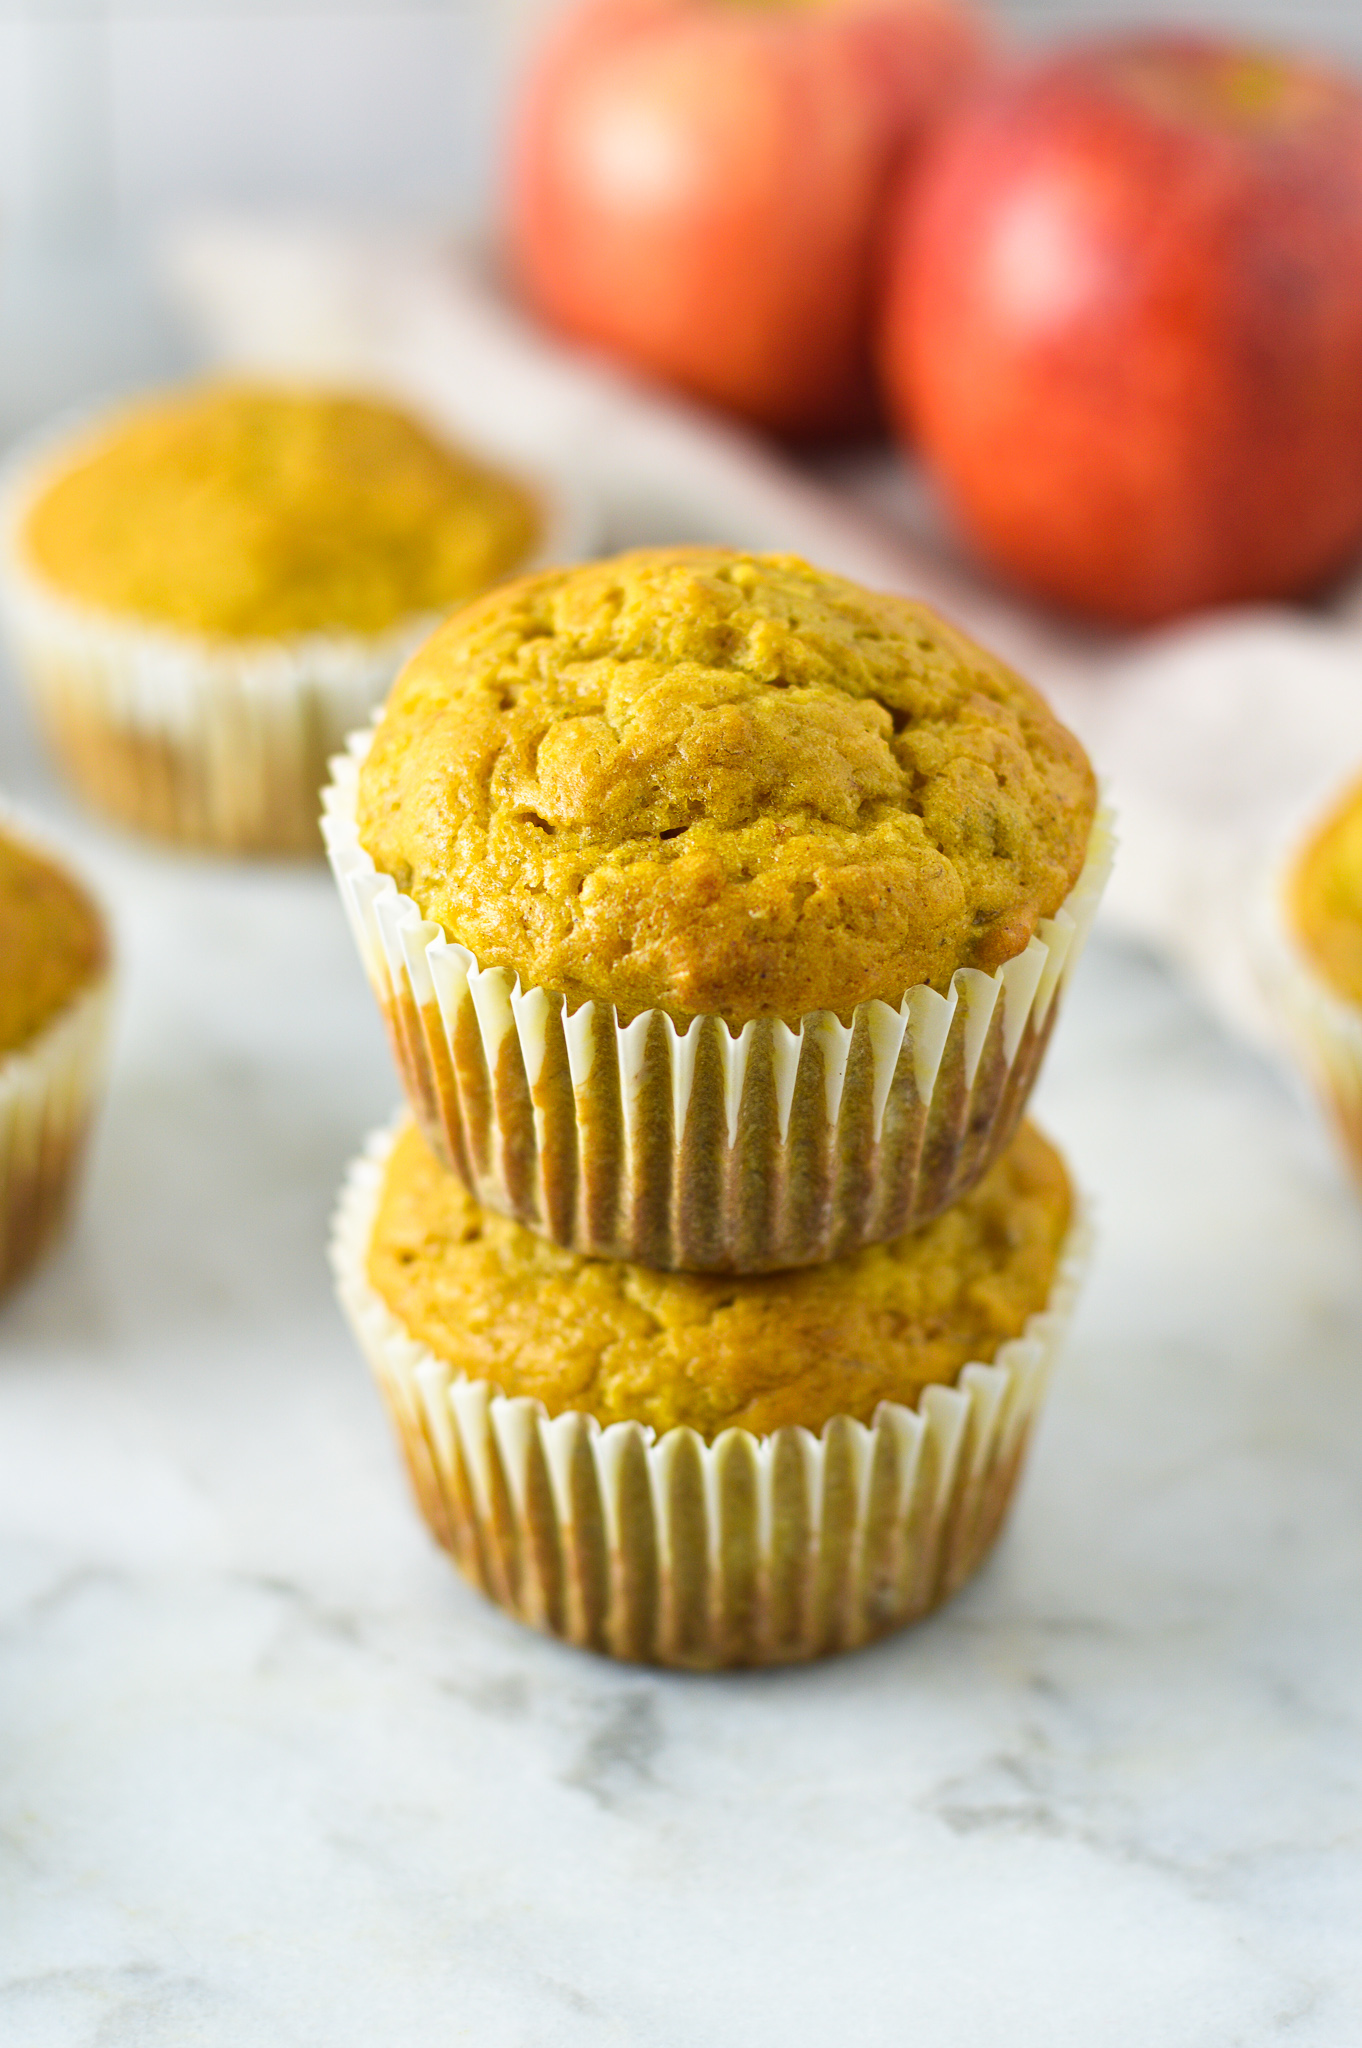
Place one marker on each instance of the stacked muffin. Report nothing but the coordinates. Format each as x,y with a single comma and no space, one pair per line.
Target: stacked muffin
718,910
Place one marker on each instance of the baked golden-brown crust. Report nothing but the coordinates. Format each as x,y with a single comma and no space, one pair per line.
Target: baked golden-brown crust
709,782
1326,898
625,1343
250,511
52,943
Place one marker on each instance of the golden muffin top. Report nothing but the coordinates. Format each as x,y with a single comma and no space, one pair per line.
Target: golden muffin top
52,943
1326,898
246,511
626,1343
711,782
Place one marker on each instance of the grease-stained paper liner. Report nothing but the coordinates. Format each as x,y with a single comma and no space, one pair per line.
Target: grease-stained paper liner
1323,1027
49,1090
668,1550
701,1150
207,742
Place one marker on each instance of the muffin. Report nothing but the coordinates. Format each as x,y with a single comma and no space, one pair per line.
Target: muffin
695,1470
717,906
54,1004
1315,963
209,589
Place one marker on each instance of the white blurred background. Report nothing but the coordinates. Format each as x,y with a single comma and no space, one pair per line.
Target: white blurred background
116,113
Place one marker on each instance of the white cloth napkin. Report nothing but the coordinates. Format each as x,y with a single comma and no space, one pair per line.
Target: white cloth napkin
1218,737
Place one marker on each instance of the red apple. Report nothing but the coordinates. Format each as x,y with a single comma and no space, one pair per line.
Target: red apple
1124,325
698,186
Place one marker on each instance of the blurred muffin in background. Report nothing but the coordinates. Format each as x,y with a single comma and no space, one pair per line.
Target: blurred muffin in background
1315,965
694,1470
1326,899
54,1005
209,588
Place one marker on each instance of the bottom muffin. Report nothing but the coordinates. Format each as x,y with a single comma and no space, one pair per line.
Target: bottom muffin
54,1004
696,1470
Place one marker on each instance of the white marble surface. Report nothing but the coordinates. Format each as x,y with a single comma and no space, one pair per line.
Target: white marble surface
270,1775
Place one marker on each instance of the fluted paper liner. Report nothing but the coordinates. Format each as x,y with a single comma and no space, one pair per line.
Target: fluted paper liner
208,742
49,1091
669,1550
703,1150
1324,1028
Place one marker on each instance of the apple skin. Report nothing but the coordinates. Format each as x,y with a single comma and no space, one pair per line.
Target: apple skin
1123,325
699,187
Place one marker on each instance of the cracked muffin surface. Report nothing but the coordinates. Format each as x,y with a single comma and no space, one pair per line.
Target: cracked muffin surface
717,783
625,1343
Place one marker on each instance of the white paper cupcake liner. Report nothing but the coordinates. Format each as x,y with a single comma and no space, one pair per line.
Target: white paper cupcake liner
703,1150
1322,1028
49,1091
210,743
746,1551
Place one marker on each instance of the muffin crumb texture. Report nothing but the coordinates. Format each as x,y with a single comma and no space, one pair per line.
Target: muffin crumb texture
51,944
263,511
625,1343
709,782
1326,898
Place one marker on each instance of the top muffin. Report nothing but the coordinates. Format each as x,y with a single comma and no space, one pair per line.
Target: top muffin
250,511
1326,898
711,782
52,944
